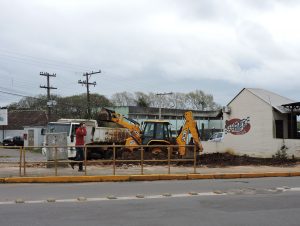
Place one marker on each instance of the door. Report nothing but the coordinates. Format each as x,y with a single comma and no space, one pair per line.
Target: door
279,128
30,137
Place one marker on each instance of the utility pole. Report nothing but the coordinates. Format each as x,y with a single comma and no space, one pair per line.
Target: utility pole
162,94
50,103
87,84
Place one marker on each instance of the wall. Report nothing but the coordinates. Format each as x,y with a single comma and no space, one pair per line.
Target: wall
121,110
293,148
247,106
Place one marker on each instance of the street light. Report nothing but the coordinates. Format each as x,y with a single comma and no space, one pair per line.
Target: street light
161,94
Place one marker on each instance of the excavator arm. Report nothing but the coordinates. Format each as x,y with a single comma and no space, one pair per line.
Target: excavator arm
190,126
130,124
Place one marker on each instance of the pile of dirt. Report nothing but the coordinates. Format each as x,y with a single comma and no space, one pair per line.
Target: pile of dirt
226,159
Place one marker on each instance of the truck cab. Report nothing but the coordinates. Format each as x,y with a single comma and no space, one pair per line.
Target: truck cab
68,127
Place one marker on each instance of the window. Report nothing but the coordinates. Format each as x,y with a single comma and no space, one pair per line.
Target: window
149,129
58,128
166,131
159,132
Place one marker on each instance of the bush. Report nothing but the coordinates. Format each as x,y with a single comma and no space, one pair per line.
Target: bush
281,154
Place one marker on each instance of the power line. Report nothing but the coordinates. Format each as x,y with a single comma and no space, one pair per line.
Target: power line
87,84
14,94
50,103
36,98
24,57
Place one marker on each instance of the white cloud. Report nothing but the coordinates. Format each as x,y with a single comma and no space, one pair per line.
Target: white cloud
243,43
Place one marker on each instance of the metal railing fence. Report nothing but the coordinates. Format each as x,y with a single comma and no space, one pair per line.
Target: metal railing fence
113,161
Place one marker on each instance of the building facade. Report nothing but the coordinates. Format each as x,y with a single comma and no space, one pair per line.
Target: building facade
207,121
259,123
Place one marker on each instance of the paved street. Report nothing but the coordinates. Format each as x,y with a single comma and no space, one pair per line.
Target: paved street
12,154
10,192
265,201
272,210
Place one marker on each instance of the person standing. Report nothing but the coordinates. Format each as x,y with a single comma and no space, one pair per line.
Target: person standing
80,134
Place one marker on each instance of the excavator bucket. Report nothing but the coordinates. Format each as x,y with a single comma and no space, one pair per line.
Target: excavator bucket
105,115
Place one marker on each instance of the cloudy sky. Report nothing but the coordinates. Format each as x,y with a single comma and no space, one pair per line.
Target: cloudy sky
218,46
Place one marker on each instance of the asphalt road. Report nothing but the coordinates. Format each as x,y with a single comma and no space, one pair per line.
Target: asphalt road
12,154
264,201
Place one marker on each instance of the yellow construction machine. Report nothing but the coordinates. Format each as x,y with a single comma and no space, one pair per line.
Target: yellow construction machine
156,134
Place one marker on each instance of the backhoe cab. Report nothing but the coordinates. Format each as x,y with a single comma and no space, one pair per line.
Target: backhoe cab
156,131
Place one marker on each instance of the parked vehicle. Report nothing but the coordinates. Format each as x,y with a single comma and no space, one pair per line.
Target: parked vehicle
13,141
95,136
217,137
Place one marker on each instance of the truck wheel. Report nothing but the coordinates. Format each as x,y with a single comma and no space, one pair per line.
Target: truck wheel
159,153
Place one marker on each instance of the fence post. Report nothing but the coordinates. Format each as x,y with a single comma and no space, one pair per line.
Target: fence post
85,159
24,162
20,165
114,159
55,161
169,159
195,158
142,160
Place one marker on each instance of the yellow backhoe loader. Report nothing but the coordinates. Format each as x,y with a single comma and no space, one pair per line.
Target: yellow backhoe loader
156,133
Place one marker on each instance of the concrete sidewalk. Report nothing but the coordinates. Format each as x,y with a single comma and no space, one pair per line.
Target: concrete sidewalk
133,172
9,171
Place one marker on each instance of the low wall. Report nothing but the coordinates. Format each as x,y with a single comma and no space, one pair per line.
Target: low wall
265,150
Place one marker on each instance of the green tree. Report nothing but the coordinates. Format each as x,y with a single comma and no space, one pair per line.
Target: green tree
198,100
123,99
142,99
76,106
66,107
36,103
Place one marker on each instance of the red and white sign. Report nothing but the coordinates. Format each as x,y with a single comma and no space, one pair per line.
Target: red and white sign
237,126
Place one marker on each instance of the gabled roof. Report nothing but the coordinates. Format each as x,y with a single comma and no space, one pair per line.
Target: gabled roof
270,98
20,118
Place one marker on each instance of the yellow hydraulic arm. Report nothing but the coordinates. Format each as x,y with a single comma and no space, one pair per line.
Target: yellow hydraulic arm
132,126
190,126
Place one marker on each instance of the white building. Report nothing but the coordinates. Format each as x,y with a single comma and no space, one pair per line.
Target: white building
34,136
259,123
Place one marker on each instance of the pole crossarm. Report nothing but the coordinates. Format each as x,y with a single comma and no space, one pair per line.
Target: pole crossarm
48,87
87,84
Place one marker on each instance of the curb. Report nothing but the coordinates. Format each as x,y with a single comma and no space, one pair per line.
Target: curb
66,179
295,174
150,177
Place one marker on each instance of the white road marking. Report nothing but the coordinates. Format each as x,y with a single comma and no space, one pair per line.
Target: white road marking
294,189
8,202
162,196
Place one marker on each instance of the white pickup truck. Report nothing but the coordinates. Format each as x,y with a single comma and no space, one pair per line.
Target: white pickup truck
95,136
